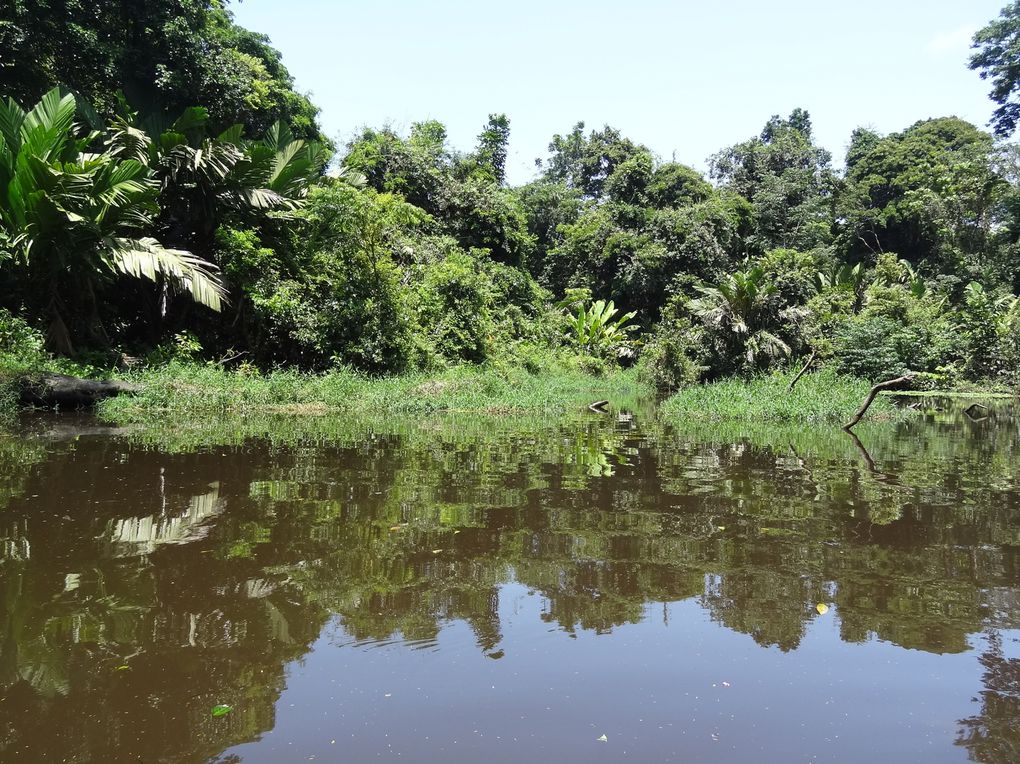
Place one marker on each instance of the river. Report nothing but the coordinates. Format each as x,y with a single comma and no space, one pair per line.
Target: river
596,588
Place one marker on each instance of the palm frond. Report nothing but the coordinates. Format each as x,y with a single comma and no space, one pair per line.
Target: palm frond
147,258
47,126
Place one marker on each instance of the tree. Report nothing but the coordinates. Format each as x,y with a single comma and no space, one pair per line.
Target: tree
492,146
547,206
997,58
471,206
929,194
165,55
204,177
744,319
74,217
786,178
586,163
651,225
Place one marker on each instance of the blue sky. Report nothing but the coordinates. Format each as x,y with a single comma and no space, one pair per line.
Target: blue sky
684,78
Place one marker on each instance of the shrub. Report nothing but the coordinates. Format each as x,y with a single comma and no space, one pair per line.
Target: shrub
866,347
19,340
899,329
21,351
453,308
673,358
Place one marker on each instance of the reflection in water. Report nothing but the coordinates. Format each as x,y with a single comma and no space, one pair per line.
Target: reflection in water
992,734
148,576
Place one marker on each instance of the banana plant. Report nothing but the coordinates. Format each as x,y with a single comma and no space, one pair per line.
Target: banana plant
595,328
76,211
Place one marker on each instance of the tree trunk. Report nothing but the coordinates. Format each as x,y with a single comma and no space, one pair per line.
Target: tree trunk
872,394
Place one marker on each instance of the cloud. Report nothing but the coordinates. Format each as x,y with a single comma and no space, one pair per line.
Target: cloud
951,41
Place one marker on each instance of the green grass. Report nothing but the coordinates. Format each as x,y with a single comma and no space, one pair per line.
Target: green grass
183,389
819,397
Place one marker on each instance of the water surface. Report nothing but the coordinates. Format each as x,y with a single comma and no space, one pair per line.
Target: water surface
510,589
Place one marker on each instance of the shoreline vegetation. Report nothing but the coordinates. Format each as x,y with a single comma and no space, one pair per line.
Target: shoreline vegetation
182,390
822,397
221,253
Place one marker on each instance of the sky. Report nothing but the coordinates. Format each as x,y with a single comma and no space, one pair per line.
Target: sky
684,77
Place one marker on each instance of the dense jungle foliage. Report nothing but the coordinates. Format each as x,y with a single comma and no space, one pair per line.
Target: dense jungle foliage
166,194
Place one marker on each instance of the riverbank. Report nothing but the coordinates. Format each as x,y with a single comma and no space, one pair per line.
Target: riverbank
201,390
184,389
822,397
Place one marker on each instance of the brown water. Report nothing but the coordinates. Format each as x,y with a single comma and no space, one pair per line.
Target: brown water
480,590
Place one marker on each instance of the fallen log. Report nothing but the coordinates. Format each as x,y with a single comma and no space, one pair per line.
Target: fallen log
872,394
63,391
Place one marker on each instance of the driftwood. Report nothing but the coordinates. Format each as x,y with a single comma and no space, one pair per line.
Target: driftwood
63,391
795,380
872,394
599,407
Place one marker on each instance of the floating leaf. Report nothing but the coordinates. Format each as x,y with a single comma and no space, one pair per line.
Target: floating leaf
822,608
603,739
221,710
125,667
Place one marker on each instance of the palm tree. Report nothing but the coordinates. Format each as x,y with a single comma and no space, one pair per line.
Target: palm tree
740,314
76,212
202,176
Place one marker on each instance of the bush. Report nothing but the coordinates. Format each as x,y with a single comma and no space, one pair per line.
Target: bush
360,315
866,347
672,359
19,340
21,352
897,331
453,308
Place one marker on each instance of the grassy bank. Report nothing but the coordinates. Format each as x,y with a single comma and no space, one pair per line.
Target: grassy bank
184,390
196,390
819,397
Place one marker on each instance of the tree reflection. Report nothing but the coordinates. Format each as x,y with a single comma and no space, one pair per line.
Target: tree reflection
992,736
146,579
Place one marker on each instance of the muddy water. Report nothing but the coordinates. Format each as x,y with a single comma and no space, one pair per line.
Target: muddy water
595,589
